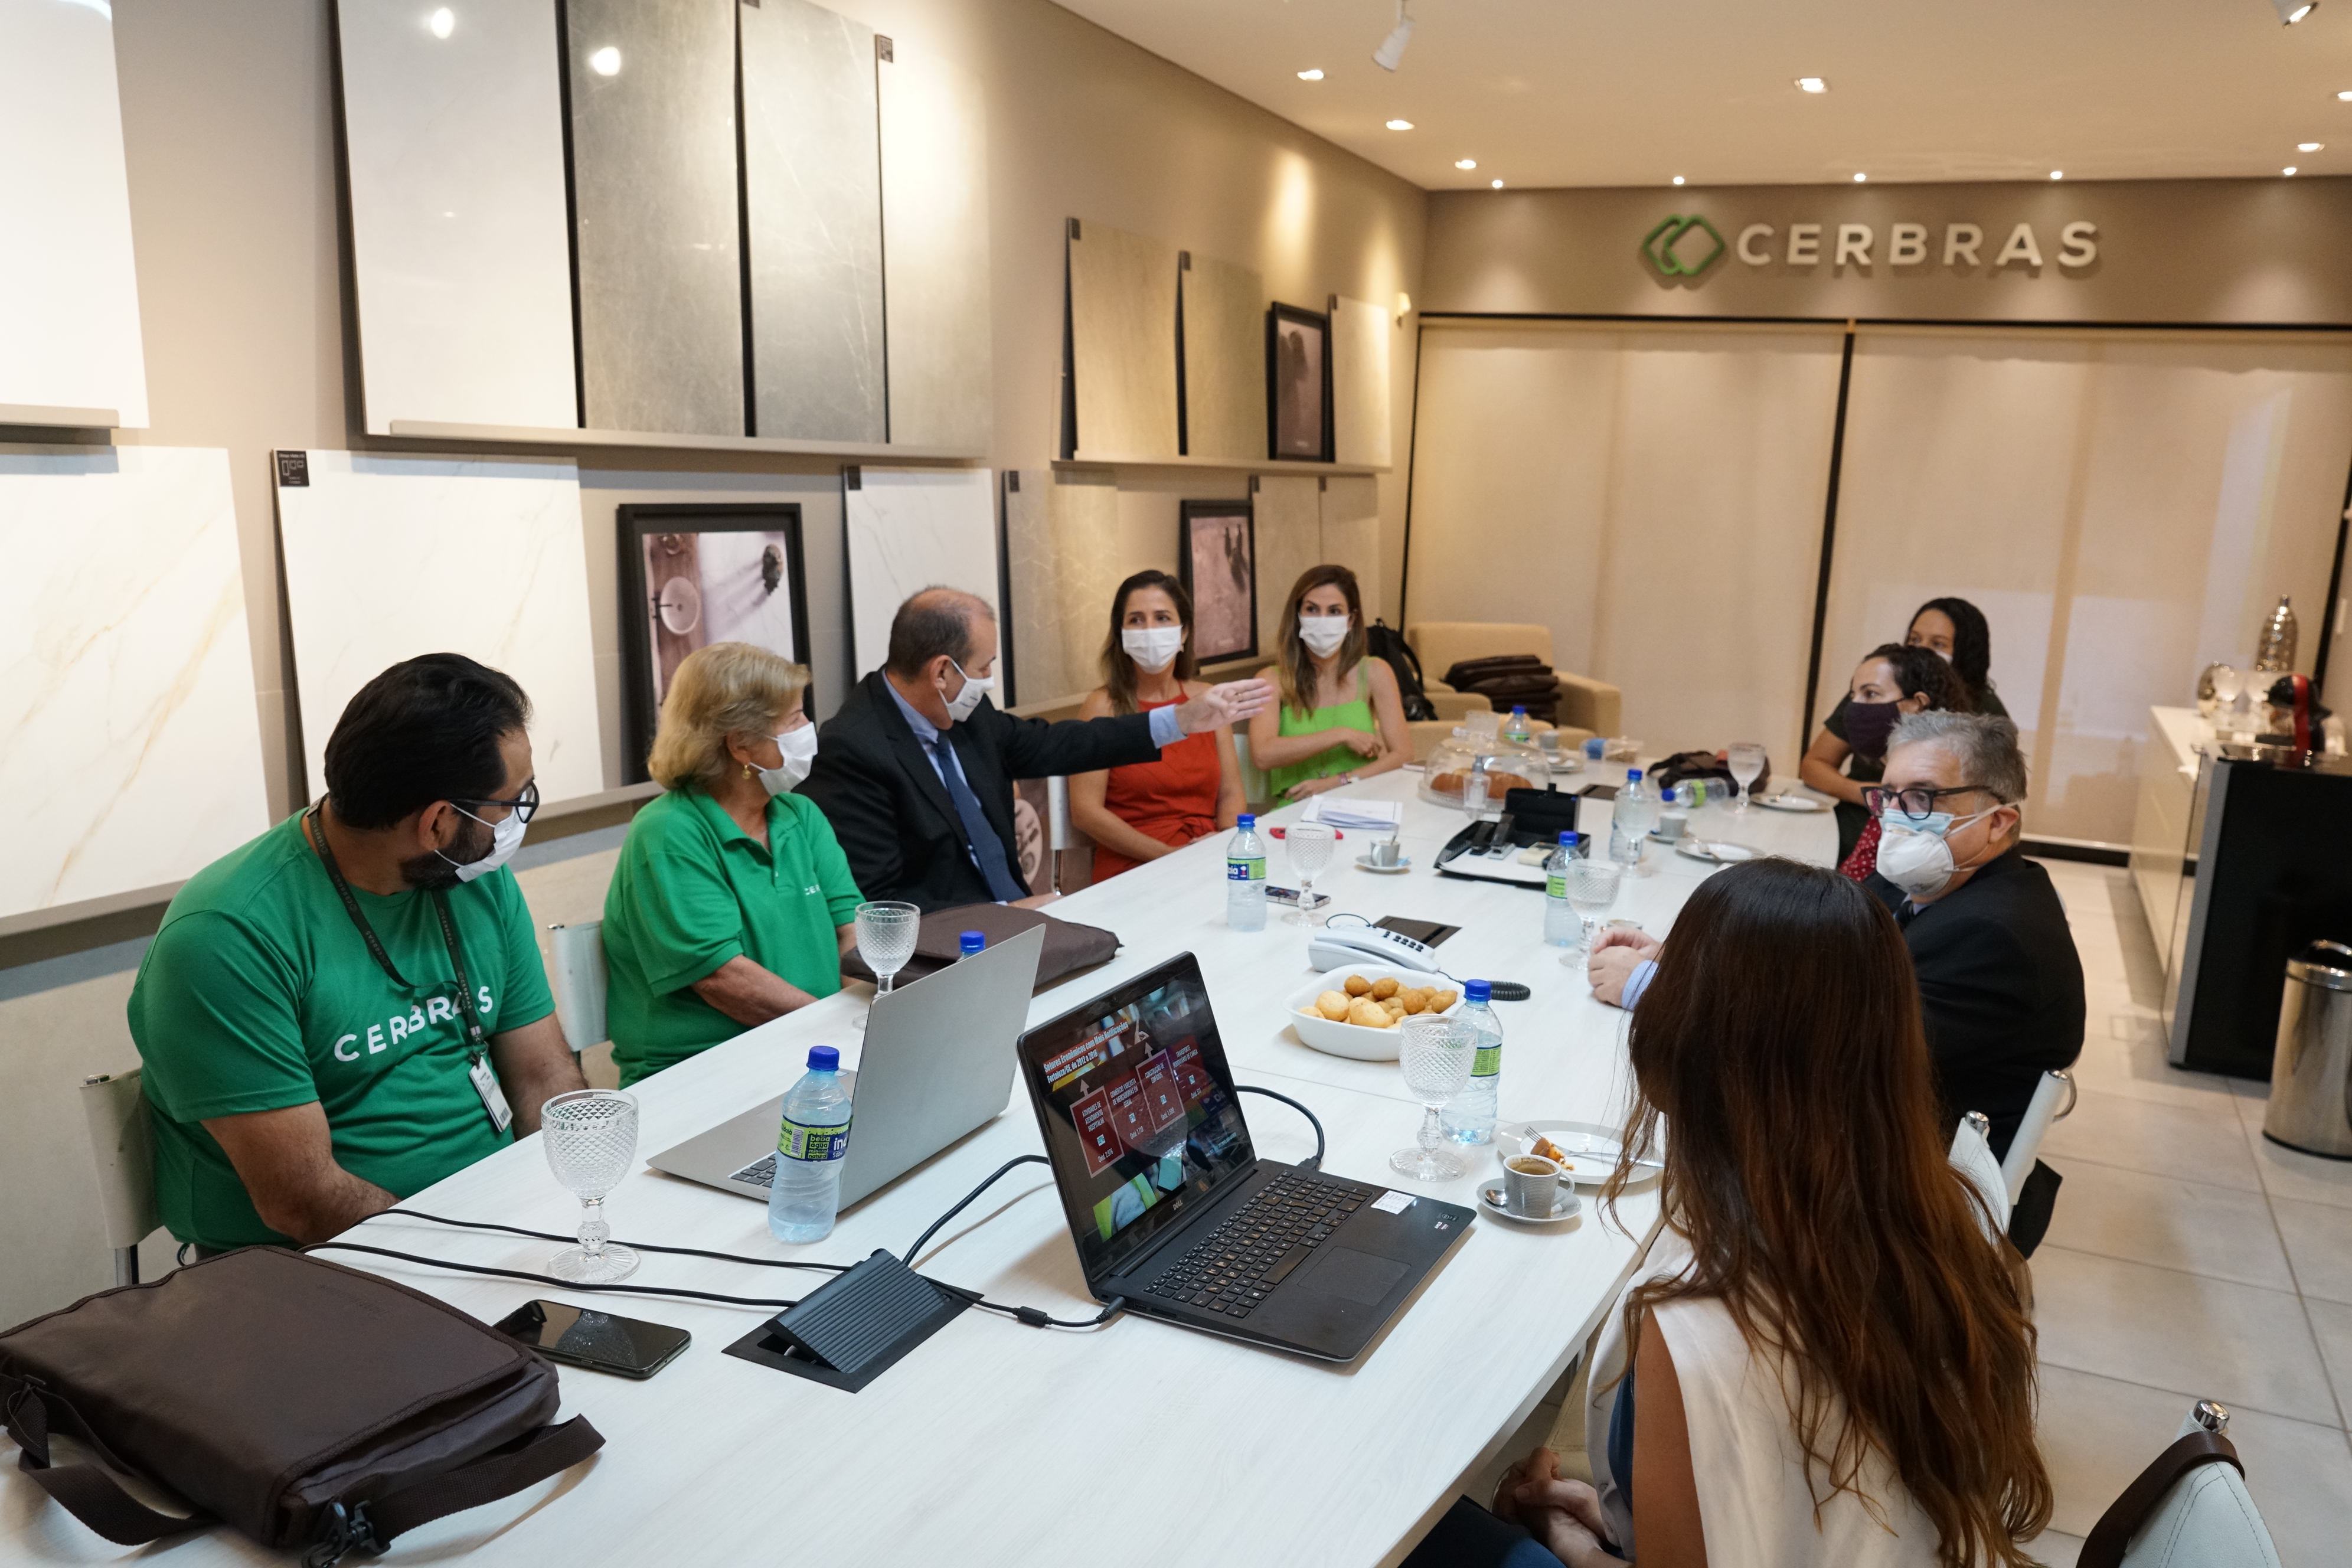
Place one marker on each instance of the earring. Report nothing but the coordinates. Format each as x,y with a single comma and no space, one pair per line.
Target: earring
747,770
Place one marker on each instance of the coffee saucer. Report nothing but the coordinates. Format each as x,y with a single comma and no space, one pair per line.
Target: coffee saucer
1567,1205
1404,864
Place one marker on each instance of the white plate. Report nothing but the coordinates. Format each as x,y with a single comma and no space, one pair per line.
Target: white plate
1716,851
1791,802
1354,1039
1404,864
1567,1205
1591,1148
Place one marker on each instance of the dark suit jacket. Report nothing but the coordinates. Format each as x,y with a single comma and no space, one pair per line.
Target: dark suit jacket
1999,984
875,785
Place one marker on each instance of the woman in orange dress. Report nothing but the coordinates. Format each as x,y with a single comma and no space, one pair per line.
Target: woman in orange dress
1144,810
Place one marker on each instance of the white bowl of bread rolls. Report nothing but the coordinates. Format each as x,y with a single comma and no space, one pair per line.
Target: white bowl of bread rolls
1359,1010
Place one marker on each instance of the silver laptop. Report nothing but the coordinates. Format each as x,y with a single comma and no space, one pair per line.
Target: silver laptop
939,1061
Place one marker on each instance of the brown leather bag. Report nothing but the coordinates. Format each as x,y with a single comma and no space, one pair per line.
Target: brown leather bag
1068,945
303,1403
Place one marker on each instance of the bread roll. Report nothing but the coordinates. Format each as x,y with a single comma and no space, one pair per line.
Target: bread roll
1332,1005
1365,1013
1385,987
1442,1000
1414,998
1357,986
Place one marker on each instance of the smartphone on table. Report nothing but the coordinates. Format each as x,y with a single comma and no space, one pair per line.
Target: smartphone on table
581,1336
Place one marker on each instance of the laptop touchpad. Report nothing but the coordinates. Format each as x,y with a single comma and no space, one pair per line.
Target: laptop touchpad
1355,1276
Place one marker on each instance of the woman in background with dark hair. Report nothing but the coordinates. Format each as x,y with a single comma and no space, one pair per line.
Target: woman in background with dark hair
1955,630
1821,1359
1850,752
1142,811
1341,717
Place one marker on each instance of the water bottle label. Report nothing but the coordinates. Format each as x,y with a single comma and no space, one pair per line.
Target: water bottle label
1488,1062
814,1144
1556,886
1238,870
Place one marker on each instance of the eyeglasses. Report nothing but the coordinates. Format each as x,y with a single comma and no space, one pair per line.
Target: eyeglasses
522,805
1916,803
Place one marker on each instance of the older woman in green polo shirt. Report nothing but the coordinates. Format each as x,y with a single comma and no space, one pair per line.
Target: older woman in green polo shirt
732,903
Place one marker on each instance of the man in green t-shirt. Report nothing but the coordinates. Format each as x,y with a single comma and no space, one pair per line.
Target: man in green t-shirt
312,1053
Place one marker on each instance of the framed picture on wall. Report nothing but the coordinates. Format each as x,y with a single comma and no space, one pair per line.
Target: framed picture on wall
694,575
1216,559
1298,384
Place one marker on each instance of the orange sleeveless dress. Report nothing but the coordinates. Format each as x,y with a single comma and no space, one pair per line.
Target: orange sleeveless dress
1173,798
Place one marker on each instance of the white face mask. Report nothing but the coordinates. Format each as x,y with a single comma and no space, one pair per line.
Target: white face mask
1153,648
1324,634
505,838
799,748
961,706
1914,856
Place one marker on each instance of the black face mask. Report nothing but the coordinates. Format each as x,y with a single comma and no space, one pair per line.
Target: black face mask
1868,724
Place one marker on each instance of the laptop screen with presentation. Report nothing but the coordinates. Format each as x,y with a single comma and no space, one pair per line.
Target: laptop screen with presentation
1139,1111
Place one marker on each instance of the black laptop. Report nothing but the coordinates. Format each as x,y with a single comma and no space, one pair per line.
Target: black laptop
1171,1205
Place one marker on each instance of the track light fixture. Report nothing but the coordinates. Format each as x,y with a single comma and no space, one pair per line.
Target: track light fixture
2290,12
1392,51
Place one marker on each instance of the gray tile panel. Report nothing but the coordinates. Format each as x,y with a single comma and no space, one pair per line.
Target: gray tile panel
935,255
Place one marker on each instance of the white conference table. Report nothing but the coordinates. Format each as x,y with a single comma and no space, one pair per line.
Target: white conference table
996,1443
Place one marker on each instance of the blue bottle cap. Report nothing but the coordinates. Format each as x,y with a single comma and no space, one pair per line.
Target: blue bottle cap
824,1059
1519,710
1245,820
1632,775
1478,990
972,941
1569,839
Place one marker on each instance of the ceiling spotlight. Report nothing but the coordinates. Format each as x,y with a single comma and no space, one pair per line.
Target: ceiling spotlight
2343,97
2307,146
442,23
1497,183
1392,51
1315,75
1678,179
1860,178
2290,12
2288,171
606,61
1813,84
1466,163
1400,124
2057,174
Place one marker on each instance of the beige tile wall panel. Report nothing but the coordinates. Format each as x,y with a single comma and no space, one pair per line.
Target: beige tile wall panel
1289,540
1033,614
1351,532
1225,361
1087,567
1123,342
935,251
1359,383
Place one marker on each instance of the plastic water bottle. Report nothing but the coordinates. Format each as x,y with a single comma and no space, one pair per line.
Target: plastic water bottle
1564,927
1630,823
1515,727
971,944
810,1147
1469,1118
1245,877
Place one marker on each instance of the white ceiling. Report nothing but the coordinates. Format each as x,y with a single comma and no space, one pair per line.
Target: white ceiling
1629,92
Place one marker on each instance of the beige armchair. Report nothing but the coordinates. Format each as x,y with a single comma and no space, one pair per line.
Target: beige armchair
1593,705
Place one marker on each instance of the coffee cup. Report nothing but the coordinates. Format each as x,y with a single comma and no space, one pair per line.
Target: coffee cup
1673,825
1385,853
1531,1186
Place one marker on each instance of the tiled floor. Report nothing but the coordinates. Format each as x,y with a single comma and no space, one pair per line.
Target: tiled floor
2188,1259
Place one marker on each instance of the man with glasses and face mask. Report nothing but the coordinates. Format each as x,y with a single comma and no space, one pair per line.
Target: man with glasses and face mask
916,770
352,1006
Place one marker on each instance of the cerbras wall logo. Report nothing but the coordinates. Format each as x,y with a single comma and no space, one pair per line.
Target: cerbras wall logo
1686,245
1661,246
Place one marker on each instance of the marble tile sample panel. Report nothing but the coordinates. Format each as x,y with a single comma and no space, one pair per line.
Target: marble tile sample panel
1289,514
935,251
69,331
1351,532
1032,609
1225,361
461,245
1123,342
1359,383
653,170
387,558
1088,565
129,744
907,529
812,192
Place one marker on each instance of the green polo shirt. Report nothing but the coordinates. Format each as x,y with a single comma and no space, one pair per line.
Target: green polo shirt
258,994
692,890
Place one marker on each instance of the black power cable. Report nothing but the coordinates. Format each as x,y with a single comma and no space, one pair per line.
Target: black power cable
1314,1161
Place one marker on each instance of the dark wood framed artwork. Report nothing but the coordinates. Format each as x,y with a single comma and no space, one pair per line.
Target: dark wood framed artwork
1298,385
694,575
1216,559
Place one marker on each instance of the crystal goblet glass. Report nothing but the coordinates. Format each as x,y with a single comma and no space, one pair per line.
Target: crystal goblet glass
1436,1056
1746,759
590,1137
1310,844
886,938
1592,892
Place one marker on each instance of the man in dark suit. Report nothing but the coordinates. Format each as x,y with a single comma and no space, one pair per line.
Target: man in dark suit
916,770
2000,986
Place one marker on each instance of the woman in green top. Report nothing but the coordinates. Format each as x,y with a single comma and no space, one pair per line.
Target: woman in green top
732,903
1342,718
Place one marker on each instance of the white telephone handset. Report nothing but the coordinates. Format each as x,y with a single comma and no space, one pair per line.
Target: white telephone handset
1335,947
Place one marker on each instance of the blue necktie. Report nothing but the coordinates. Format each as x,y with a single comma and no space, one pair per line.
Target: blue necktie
987,848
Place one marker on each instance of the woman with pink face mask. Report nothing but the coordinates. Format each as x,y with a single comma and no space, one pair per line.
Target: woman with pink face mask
1892,679
1342,718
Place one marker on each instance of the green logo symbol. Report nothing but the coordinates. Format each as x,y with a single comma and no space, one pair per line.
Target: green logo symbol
1659,244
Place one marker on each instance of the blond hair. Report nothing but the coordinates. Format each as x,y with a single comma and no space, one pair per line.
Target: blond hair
725,688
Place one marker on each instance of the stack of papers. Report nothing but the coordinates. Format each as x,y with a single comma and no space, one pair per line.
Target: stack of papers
1368,816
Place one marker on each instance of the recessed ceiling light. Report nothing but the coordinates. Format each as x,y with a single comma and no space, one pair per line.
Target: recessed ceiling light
1497,183
1466,163
2290,12
2057,174
2344,96
1400,124
1316,75
606,61
1860,178
443,22
1813,84
2289,170
2307,146
1678,179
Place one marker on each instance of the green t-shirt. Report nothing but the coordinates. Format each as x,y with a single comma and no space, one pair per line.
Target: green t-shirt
258,992
692,890
1353,714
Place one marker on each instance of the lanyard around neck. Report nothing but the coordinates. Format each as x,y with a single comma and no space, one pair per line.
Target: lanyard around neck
465,1012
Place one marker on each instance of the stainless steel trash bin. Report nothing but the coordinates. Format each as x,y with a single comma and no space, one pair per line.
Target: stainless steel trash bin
2311,1076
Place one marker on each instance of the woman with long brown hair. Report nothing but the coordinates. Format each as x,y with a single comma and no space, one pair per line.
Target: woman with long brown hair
1823,1359
1341,717
1140,810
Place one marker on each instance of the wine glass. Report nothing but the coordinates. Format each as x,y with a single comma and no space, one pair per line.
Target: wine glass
1437,1058
1747,760
886,938
591,1136
1310,846
1591,893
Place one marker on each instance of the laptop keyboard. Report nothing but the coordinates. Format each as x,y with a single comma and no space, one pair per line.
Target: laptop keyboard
1232,1270
760,1173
